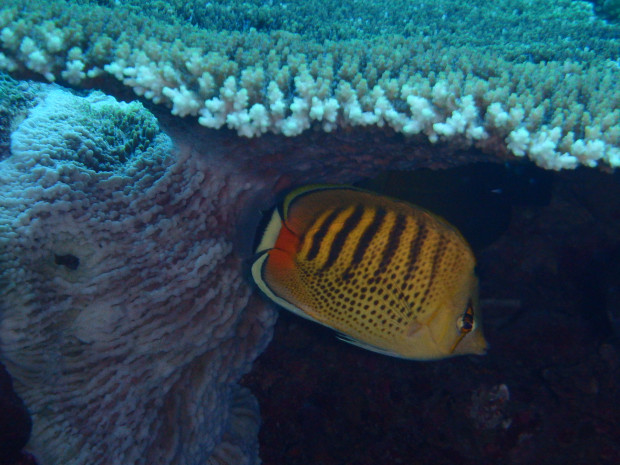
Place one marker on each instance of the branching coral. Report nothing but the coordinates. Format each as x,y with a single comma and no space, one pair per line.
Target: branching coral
541,77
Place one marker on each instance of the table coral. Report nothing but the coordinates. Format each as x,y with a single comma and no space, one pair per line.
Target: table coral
123,320
540,78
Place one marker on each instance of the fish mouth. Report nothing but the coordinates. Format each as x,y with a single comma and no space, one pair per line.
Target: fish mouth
476,344
458,341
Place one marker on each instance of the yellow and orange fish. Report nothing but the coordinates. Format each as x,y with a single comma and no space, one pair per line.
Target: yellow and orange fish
391,277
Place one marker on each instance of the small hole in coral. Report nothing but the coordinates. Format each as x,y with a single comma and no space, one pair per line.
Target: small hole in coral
67,260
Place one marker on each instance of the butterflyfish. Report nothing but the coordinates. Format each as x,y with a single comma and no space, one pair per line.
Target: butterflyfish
389,276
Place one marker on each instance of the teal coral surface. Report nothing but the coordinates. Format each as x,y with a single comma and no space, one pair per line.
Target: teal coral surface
14,98
96,132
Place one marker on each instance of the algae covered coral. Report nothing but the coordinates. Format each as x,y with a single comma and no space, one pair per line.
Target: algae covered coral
539,78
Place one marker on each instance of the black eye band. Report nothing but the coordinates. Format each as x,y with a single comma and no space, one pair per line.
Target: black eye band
468,318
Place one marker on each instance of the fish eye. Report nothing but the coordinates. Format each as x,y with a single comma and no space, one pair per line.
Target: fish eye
466,322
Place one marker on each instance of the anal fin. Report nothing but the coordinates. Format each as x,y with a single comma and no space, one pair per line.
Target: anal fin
351,340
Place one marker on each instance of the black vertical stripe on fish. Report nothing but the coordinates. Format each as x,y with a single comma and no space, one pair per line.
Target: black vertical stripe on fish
317,239
393,241
367,236
341,236
416,247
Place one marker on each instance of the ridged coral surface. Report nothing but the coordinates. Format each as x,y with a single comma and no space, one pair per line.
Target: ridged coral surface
539,77
123,317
